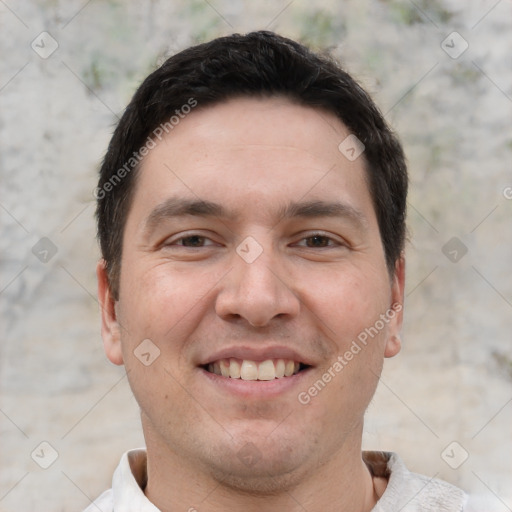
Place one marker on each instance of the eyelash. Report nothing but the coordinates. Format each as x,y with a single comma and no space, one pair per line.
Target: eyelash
188,237
325,237
333,242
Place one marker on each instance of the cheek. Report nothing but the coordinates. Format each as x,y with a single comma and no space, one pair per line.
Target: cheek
164,304
159,310
348,301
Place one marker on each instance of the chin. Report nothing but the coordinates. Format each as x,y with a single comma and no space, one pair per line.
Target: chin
265,478
260,467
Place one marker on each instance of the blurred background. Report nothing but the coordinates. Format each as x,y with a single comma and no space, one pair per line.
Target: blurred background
440,71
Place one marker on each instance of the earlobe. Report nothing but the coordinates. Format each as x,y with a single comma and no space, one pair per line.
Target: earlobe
110,330
393,346
394,343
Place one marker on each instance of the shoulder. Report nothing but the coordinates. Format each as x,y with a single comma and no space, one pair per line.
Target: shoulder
128,485
126,488
104,503
411,492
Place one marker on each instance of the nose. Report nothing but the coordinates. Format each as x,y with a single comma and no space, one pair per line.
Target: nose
256,292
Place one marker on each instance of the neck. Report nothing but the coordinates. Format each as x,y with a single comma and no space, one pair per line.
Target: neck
341,483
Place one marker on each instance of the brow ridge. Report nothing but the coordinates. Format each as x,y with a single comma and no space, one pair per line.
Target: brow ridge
176,207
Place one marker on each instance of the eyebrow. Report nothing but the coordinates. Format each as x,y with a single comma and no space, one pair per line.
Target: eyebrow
179,207
311,209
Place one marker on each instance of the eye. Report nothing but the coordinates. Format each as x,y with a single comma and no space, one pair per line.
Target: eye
192,240
318,241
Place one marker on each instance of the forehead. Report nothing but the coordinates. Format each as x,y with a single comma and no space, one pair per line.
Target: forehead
251,153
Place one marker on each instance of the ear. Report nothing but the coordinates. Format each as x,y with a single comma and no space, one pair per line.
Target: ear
110,330
393,343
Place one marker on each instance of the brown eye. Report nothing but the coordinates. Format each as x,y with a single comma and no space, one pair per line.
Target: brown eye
318,241
192,241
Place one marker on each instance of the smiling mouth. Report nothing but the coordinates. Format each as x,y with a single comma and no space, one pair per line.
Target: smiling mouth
245,369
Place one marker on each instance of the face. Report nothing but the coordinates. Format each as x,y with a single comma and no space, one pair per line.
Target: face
252,250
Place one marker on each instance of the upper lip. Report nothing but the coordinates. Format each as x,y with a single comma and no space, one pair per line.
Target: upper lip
257,354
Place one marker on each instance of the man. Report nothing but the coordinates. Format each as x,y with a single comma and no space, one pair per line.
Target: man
251,213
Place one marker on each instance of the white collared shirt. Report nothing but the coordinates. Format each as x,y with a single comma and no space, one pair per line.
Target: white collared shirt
405,491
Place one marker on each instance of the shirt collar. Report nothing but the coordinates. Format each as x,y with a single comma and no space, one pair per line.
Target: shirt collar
129,481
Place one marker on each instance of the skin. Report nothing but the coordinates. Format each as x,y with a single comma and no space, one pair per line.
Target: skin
319,282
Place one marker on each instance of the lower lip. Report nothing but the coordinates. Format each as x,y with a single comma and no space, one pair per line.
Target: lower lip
256,388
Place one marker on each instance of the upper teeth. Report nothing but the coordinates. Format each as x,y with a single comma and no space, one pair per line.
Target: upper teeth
251,370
